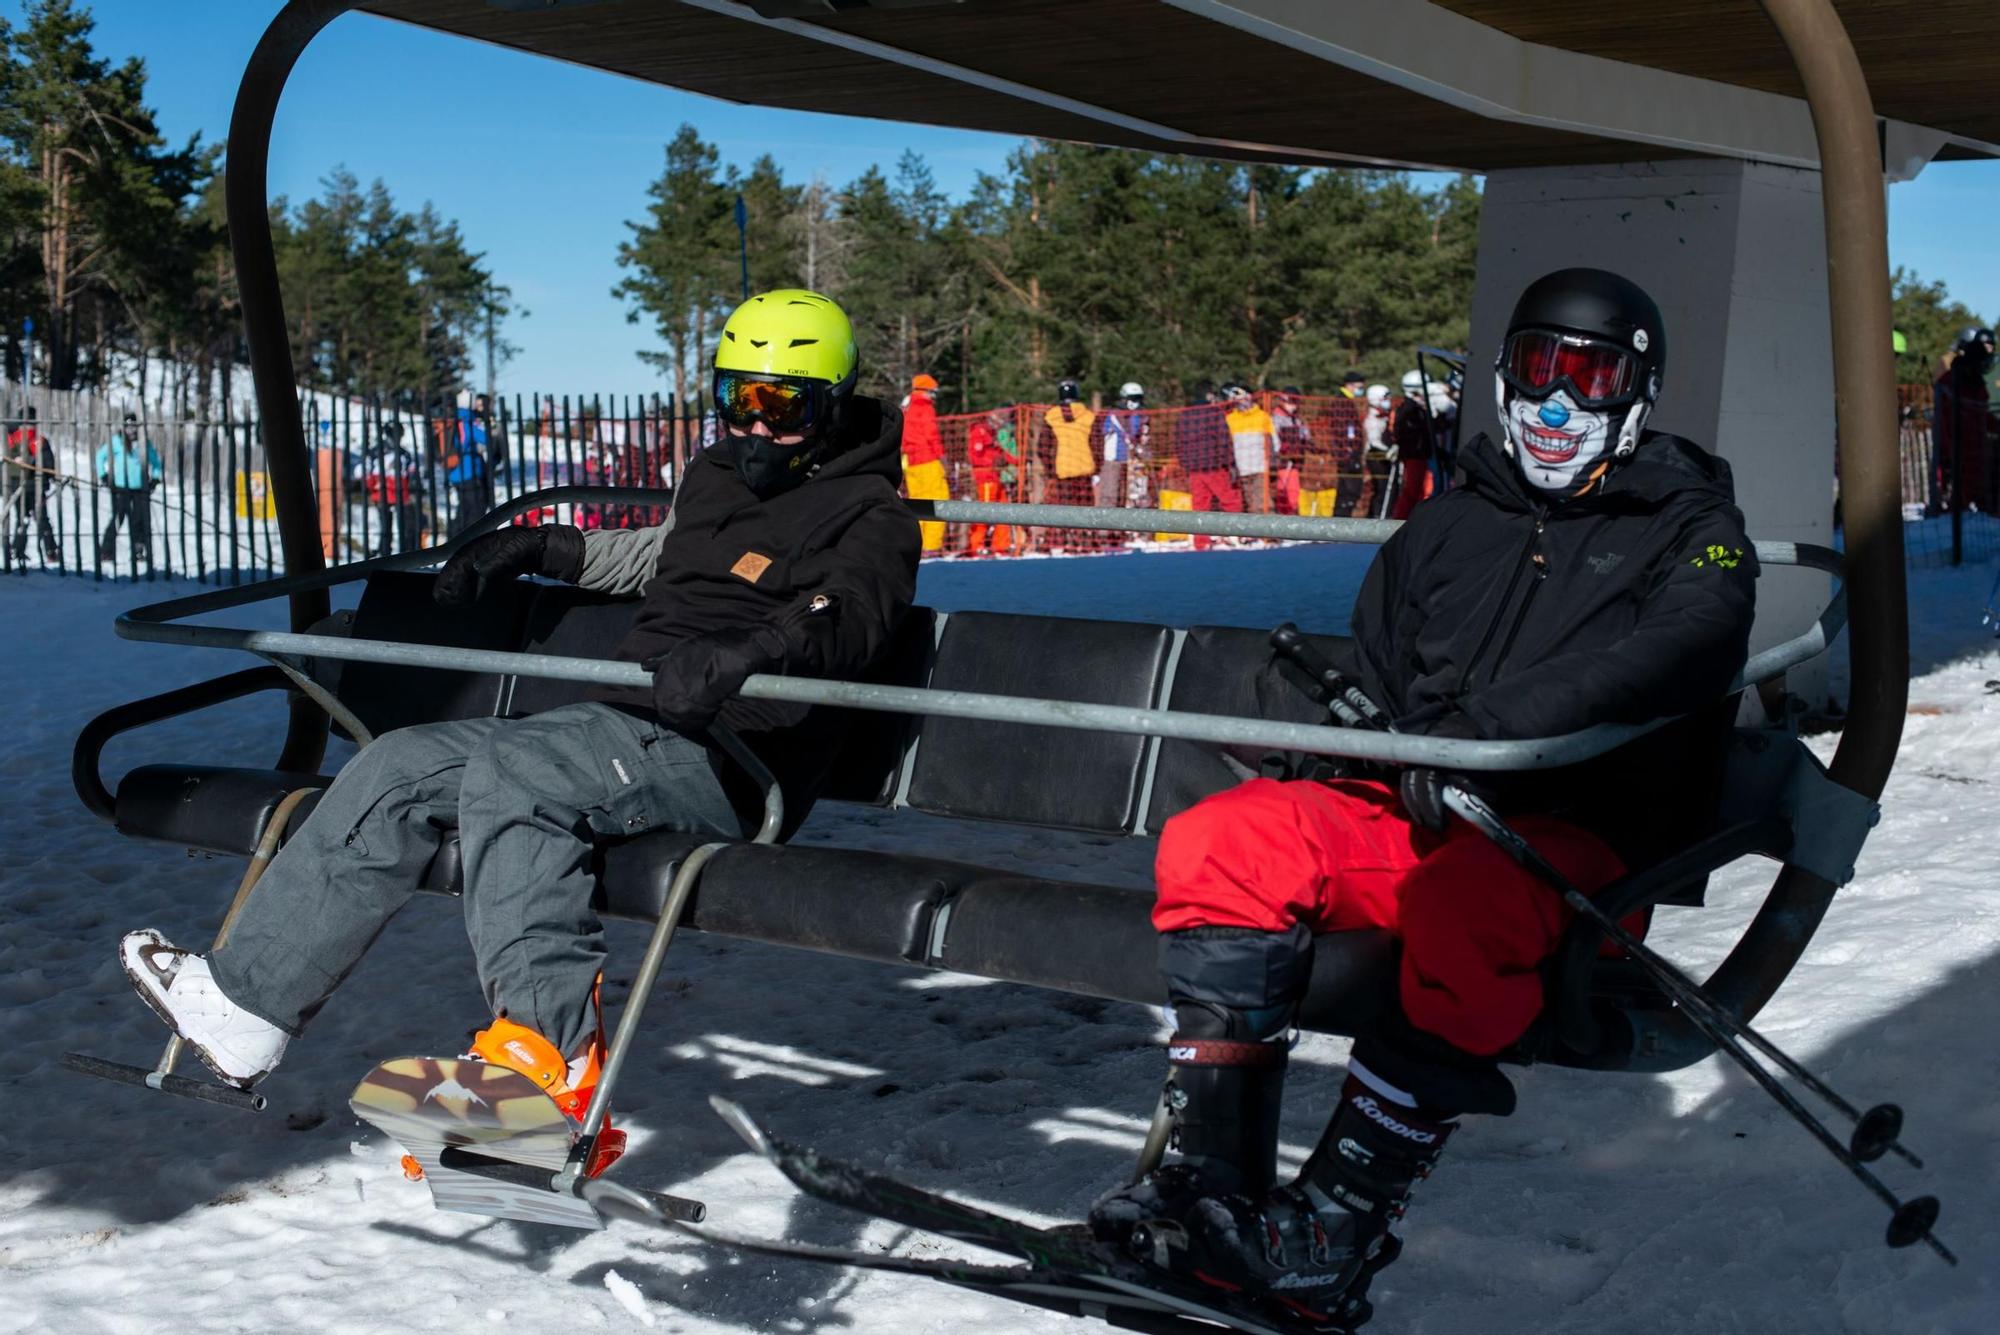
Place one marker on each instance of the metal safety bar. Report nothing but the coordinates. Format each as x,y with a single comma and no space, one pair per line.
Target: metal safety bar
686,877
160,622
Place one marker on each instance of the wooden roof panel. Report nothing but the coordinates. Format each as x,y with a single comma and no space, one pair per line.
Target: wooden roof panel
1929,62
1161,64
1137,57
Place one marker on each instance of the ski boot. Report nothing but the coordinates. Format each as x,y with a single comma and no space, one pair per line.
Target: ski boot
1310,1248
570,1083
1225,1081
239,1047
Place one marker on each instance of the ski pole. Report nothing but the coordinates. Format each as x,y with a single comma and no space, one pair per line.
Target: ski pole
1347,701
1910,1221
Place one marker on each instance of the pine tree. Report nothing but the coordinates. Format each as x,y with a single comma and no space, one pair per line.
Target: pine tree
680,260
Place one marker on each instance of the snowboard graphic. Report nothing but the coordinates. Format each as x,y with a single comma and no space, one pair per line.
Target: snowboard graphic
431,1104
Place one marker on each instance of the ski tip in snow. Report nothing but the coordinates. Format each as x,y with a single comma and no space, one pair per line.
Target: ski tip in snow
743,1124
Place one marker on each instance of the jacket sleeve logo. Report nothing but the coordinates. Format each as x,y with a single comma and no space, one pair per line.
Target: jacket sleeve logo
1715,555
750,567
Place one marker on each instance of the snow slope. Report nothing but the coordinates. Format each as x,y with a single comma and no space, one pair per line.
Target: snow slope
1607,1204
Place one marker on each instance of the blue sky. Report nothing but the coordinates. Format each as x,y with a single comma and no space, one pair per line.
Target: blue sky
541,163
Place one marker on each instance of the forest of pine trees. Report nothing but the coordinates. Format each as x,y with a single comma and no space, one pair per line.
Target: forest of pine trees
1102,264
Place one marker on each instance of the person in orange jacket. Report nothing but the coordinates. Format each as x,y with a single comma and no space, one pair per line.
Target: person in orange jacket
923,456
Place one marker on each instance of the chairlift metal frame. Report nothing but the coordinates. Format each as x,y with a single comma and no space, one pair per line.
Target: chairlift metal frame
1871,600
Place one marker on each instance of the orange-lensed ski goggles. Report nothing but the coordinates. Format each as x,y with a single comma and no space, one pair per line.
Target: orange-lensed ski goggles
789,405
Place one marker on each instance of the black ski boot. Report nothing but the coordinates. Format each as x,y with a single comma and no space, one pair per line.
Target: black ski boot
1225,1082
1310,1247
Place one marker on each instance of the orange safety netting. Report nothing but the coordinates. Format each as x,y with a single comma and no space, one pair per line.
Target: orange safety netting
1304,456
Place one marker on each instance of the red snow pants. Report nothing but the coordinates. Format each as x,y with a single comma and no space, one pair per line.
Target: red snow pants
1344,856
1215,485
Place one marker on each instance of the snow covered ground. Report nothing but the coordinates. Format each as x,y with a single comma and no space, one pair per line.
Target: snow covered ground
1607,1204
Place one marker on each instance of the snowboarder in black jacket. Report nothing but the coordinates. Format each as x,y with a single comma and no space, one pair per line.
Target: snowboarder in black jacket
787,551
1589,571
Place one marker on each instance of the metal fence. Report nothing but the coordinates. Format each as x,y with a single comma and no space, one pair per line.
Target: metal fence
83,491
106,487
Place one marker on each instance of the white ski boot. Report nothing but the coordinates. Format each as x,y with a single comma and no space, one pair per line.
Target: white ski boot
239,1047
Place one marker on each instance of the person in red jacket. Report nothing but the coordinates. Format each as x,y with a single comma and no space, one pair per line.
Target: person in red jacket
923,456
983,452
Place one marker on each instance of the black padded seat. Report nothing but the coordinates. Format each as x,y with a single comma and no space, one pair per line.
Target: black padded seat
216,810
398,606
870,758
567,622
839,901
1224,670
1014,772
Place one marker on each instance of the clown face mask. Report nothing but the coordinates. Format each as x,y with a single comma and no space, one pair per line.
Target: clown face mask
1561,448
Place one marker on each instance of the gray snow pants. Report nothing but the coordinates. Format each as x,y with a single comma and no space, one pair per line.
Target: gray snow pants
529,798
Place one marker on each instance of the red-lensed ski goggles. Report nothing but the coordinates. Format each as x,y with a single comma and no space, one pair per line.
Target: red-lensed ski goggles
1538,362
789,405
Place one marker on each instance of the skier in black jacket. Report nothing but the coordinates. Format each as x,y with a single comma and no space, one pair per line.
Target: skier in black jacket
1589,571
787,551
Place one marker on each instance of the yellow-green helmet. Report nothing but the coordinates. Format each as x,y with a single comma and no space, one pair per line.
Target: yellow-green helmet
790,332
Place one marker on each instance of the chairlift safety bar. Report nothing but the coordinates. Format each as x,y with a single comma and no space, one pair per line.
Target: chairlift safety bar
162,623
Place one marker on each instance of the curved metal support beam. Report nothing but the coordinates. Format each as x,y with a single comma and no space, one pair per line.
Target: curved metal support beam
1864,386
247,200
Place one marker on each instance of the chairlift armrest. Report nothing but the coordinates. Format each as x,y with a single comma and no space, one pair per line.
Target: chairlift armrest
134,714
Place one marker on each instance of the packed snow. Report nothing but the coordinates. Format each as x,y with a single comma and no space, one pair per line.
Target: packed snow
1608,1203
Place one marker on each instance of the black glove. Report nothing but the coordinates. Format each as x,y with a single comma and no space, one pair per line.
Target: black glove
1421,787
555,550
692,680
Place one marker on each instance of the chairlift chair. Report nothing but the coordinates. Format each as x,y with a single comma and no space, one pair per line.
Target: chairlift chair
1146,709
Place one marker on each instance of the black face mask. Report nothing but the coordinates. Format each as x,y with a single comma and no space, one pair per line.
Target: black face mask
771,469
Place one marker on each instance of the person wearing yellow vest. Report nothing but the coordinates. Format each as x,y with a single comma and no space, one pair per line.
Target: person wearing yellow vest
923,456
1068,447
1254,439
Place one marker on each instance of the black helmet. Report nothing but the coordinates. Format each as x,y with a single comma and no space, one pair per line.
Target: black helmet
1595,306
1068,391
1598,340
1975,348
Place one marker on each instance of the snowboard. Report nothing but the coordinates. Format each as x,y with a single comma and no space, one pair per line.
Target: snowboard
455,1116
1064,1268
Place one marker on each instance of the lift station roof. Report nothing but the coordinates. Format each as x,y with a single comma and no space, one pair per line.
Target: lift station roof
1465,84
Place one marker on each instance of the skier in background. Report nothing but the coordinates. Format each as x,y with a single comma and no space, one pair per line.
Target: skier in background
1294,438
27,491
1208,455
1254,440
1410,432
465,465
923,456
1121,480
391,484
1378,460
1961,426
1067,447
992,480
788,553
1611,562
130,466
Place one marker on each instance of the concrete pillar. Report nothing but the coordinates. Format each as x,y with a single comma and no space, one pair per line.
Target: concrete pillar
1735,254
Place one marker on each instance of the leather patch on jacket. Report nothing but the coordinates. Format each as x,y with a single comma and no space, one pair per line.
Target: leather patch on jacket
750,566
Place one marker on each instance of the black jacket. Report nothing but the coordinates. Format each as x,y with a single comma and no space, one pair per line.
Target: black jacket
1494,614
731,560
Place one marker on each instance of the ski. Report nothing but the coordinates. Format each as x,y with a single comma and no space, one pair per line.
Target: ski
1064,1266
